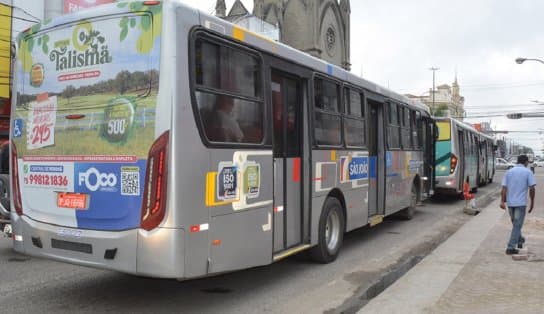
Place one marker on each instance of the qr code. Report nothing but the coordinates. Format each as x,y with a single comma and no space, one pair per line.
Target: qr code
130,181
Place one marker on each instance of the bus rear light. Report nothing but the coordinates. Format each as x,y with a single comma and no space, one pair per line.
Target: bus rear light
152,2
453,163
15,181
156,176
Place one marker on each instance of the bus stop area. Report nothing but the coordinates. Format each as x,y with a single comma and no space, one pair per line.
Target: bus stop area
470,272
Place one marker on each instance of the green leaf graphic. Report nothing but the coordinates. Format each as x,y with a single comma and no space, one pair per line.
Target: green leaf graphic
124,33
45,49
146,22
35,28
122,5
136,6
132,22
123,21
30,44
39,41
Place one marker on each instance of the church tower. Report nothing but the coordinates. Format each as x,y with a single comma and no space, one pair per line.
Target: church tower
220,9
318,27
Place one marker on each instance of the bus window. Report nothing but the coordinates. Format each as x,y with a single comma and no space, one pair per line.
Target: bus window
327,114
414,127
406,140
444,130
393,136
228,119
228,93
354,123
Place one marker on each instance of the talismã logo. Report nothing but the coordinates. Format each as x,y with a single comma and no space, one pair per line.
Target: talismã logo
36,75
90,49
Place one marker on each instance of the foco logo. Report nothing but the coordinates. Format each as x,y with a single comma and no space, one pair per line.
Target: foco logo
94,180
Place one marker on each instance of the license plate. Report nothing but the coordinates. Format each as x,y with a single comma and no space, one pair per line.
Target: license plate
73,200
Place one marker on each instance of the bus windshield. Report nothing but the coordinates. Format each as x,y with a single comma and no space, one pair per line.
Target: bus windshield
444,130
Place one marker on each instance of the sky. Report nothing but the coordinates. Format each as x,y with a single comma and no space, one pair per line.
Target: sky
395,42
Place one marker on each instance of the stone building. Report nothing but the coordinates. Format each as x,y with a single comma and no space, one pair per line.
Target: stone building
448,101
318,27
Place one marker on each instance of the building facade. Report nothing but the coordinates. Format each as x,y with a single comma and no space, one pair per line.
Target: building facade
318,27
448,101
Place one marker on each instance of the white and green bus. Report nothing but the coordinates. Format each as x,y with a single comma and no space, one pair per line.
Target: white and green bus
462,152
150,138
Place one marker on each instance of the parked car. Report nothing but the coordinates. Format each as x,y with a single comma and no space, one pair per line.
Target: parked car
503,164
540,163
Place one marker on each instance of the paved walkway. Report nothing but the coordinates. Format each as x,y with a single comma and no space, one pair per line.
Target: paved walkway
470,272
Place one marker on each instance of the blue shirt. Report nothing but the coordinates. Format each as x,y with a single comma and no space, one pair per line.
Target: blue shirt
517,181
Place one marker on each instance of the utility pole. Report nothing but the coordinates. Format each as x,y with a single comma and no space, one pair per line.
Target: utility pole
434,70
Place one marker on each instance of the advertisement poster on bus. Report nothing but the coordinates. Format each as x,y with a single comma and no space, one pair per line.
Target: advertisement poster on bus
84,121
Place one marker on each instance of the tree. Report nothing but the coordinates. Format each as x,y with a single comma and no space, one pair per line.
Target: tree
69,92
440,111
122,81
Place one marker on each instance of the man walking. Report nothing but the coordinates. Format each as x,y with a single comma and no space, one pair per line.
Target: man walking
515,184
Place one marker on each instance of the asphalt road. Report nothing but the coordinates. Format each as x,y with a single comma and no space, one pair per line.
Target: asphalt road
294,285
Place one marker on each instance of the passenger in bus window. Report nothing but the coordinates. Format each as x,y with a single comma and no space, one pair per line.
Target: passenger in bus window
228,127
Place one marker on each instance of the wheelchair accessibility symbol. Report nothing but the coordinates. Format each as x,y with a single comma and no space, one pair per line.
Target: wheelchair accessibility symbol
17,127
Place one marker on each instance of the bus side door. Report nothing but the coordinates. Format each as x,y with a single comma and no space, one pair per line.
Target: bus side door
290,214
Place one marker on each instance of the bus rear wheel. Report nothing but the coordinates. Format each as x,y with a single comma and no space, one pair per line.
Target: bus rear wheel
408,212
331,232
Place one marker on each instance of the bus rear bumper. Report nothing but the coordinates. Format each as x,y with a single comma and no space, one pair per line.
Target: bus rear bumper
446,185
153,254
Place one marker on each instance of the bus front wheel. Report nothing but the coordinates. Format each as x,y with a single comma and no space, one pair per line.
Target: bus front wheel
331,232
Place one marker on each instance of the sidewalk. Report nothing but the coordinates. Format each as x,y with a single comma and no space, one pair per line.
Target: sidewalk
470,272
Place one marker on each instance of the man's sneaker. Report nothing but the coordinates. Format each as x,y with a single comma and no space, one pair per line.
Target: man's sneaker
512,251
520,245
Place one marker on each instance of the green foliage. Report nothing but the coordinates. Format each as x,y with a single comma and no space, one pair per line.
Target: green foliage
136,6
45,41
145,22
30,44
124,33
440,111
35,28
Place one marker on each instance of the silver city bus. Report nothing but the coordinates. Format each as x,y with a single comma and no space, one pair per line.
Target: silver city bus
153,139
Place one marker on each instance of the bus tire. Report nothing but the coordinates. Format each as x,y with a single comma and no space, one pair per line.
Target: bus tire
408,212
331,232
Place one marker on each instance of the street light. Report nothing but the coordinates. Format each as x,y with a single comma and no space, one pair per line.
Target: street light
521,60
